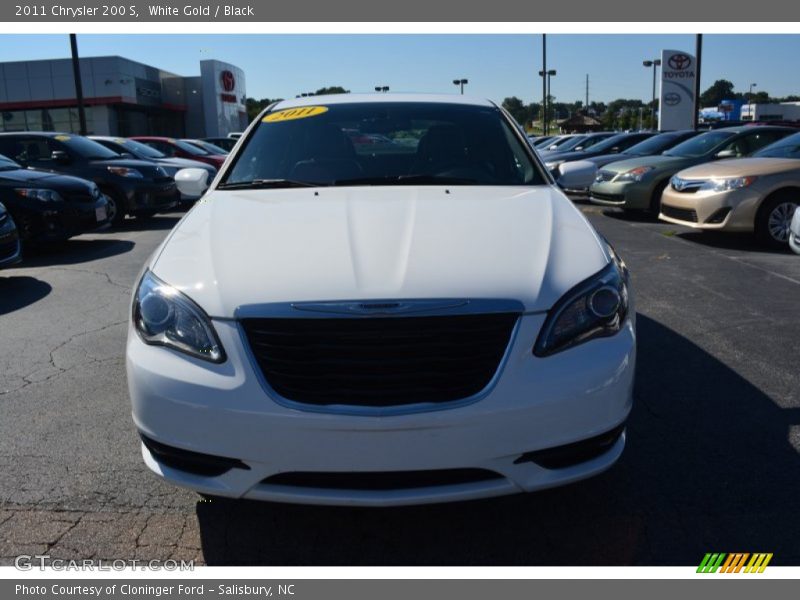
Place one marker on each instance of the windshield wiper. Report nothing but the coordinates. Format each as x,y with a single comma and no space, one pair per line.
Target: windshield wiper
267,183
422,179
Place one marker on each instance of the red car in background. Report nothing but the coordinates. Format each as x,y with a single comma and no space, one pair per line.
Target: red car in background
181,149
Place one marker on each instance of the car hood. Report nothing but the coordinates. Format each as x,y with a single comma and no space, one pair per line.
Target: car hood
605,159
741,167
145,167
183,163
242,249
48,179
659,162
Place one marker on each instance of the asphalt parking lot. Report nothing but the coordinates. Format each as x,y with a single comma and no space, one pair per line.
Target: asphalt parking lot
712,462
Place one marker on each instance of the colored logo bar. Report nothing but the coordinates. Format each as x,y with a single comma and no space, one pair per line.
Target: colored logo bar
735,562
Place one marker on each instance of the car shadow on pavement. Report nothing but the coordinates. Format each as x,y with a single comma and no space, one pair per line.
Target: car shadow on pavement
19,292
632,216
709,467
730,241
73,251
155,223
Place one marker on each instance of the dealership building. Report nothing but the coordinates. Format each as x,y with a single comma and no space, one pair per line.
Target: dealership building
122,97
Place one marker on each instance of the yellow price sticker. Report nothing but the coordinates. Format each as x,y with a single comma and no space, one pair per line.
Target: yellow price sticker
62,138
289,114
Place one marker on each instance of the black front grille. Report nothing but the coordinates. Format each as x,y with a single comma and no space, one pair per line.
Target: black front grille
682,214
380,361
382,481
82,198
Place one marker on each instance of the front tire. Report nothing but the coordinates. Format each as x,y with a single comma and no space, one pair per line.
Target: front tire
115,209
774,217
655,199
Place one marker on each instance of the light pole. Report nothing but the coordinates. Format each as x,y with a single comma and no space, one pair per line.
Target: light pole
750,101
382,88
655,64
462,83
76,73
550,73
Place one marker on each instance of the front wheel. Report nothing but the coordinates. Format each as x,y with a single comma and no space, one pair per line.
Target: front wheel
655,200
115,209
774,219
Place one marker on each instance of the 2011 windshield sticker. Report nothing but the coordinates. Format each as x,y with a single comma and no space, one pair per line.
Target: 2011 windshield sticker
290,114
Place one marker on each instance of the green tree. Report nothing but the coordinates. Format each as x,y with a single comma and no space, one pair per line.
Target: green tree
333,89
722,89
254,107
517,109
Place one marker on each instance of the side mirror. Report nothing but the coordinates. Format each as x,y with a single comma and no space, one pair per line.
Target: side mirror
192,182
576,175
60,157
615,149
726,154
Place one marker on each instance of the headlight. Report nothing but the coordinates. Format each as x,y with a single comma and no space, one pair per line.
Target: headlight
125,172
594,308
636,174
726,185
39,194
163,316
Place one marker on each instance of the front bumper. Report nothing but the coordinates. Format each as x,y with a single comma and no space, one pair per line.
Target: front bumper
45,223
729,211
535,404
631,195
149,196
10,247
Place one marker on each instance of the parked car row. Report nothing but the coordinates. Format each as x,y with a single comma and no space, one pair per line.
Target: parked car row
744,179
56,185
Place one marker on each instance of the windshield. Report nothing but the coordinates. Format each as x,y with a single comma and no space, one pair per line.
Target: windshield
621,141
656,144
786,148
6,164
207,146
190,148
140,149
701,145
86,148
384,143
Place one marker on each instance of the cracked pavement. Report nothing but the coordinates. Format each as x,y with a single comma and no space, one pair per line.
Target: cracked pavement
711,464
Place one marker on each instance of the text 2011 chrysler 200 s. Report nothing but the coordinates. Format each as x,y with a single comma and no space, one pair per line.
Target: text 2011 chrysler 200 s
340,324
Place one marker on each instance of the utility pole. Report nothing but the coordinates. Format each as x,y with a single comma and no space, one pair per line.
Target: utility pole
76,73
698,52
586,106
544,83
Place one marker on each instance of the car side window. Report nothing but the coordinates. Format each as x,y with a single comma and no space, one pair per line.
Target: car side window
167,149
36,150
760,139
739,147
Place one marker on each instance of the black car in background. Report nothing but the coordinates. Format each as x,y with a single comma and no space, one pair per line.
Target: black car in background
136,187
48,207
10,249
171,164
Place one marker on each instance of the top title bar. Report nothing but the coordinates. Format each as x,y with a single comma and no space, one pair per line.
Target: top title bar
371,11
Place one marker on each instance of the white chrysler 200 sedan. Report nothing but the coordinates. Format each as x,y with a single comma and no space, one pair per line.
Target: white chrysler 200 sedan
381,300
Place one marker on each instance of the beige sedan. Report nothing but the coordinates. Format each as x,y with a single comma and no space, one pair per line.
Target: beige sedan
757,194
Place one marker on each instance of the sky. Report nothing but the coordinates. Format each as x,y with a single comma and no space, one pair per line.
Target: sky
497,66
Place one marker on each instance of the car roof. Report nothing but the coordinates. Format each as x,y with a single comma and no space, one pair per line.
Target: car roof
746,128
40,133
380,98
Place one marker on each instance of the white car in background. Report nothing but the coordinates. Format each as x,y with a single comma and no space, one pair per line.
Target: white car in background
337,325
